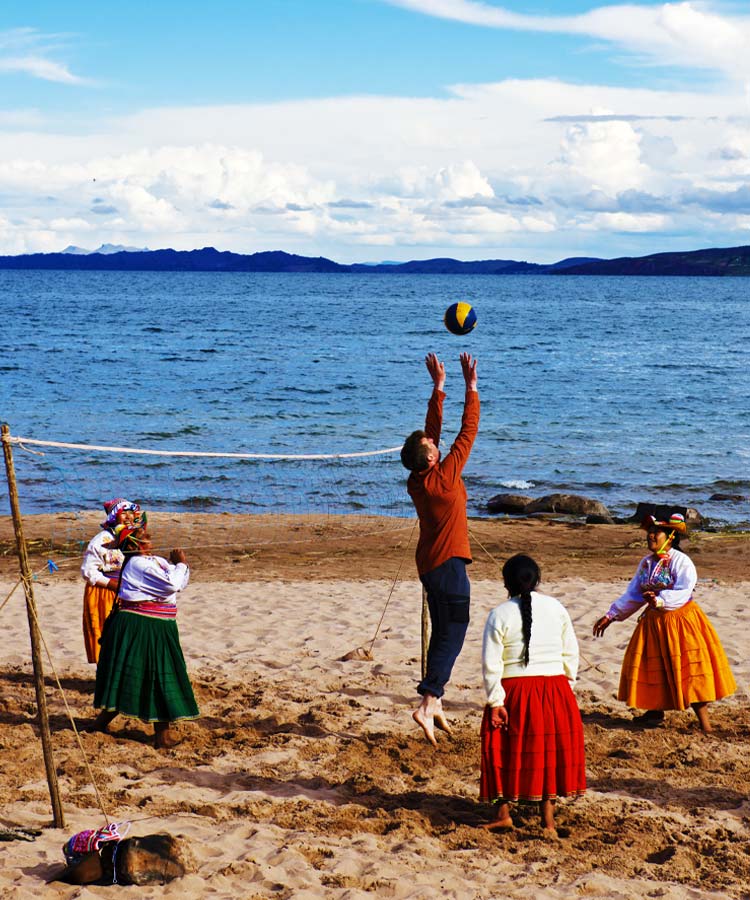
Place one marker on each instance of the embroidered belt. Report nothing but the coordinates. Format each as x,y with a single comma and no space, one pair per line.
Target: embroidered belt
152,608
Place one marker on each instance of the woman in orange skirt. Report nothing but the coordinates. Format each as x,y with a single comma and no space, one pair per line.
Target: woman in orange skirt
674,658
100,570
532,735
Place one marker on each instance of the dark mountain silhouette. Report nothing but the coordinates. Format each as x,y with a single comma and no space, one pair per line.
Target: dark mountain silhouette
713,262
205,260
210,260
452,267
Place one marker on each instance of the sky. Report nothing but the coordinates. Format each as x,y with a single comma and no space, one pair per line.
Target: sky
369,130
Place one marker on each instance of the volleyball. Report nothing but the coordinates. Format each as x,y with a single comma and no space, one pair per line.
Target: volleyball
460,318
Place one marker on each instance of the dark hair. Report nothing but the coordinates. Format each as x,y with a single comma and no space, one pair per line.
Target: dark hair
414,452
665,529
521,575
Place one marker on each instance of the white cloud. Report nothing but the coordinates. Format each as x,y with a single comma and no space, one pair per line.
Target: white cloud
486,169
14,44
626,222
39,68
604,156
454,182
685,34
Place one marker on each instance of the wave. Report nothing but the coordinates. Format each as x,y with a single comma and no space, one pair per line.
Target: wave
187,431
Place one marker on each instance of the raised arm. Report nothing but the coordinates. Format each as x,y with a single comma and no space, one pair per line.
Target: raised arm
469,369
436,370
434,422
453,462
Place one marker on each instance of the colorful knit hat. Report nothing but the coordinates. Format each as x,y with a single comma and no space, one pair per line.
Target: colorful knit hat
113,507
125,536
676,522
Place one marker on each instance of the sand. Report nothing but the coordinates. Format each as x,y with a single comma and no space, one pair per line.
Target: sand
306,777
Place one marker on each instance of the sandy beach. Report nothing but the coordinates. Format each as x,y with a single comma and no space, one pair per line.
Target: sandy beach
305,775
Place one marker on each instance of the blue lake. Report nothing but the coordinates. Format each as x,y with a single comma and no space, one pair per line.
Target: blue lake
623,389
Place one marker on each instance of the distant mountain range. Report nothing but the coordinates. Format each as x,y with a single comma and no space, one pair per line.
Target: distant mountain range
713,262
105,249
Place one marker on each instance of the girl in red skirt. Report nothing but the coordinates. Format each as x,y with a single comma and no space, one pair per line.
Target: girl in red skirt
532,735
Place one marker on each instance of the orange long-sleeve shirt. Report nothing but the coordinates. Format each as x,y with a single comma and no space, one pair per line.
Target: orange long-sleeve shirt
439,494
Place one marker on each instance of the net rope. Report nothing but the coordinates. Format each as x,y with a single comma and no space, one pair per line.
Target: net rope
22,442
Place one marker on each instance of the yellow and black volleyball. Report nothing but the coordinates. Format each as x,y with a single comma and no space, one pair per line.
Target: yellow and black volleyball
460,318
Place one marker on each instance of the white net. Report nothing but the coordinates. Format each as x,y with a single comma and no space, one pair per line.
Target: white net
62,486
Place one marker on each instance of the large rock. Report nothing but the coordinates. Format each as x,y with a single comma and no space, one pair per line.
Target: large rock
514,504
693,519
570,504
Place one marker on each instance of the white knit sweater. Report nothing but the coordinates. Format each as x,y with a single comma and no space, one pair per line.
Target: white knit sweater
553,648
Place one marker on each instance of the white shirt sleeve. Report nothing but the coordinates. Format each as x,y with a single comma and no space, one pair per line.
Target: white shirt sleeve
631,600
492,661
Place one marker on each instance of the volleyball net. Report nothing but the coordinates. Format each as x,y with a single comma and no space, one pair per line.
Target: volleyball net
62,486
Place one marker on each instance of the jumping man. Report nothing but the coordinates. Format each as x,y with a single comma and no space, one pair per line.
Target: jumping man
437,490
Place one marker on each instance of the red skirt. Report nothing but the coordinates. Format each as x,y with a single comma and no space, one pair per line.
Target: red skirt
541,755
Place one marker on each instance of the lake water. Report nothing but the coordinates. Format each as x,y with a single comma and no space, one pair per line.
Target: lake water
622,389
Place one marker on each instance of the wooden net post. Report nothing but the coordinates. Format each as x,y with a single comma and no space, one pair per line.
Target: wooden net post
425,632
36,654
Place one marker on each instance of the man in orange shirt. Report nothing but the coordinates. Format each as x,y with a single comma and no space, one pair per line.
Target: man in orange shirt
437,490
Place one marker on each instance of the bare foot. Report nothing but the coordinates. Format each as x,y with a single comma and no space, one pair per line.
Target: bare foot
550,834
505,824
426,723
701,711
442,723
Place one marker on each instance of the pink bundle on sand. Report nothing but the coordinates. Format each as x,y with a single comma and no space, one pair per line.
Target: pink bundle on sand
92,840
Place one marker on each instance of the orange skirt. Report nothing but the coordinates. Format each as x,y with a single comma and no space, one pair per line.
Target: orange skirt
540,756
674,658
97,604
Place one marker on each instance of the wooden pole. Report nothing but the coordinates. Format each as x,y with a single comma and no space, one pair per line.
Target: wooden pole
58,818
425,632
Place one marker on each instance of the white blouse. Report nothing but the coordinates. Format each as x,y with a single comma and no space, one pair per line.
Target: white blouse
153,578
553,648
676,575
101,562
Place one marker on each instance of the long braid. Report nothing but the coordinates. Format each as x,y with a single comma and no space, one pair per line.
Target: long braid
525,606
521,575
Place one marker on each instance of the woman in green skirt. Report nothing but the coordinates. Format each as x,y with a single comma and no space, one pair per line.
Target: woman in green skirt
141,671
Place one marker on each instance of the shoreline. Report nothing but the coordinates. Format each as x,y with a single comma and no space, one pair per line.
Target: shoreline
242,547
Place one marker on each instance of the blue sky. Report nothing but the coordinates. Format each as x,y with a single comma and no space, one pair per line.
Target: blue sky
376,129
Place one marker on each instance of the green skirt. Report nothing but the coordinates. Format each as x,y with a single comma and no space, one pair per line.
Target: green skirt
141,671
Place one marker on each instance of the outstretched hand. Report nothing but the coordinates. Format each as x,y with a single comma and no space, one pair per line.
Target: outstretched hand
436,370
177,556
601,625
469,368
